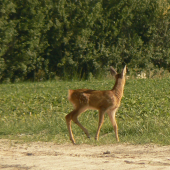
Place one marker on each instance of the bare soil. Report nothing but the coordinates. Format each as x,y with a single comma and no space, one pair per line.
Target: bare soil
50,156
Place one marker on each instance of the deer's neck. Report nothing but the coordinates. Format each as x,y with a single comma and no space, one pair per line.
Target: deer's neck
119,88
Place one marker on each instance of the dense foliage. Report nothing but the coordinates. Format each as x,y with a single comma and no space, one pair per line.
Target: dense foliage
41,39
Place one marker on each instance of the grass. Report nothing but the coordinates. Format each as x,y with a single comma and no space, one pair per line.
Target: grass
36,112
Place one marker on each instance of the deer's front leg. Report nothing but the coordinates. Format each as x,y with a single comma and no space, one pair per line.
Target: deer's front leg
112,116
101,120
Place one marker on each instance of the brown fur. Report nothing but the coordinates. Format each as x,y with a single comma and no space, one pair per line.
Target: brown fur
103,101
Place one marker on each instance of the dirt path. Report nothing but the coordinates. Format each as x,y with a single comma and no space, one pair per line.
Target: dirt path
49,156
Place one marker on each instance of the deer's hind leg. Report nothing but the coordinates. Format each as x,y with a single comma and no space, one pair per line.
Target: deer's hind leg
75,120
68,122
73,116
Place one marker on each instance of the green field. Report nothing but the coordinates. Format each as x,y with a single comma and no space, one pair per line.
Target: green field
36,112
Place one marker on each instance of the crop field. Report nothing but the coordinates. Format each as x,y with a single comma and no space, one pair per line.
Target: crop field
36,112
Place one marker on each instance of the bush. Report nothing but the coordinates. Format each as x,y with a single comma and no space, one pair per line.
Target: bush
77,38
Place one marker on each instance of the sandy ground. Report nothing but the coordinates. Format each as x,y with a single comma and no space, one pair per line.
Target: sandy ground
50,156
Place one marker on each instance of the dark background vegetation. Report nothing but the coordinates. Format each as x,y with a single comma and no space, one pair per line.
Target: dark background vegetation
42,39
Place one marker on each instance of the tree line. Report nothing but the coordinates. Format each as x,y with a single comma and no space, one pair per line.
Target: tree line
48,38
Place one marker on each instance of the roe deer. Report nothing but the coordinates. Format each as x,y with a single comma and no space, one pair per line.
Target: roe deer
103,101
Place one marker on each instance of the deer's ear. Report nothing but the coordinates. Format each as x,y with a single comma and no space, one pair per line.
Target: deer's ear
112,71
124,71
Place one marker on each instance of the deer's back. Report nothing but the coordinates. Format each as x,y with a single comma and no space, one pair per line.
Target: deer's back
93,99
